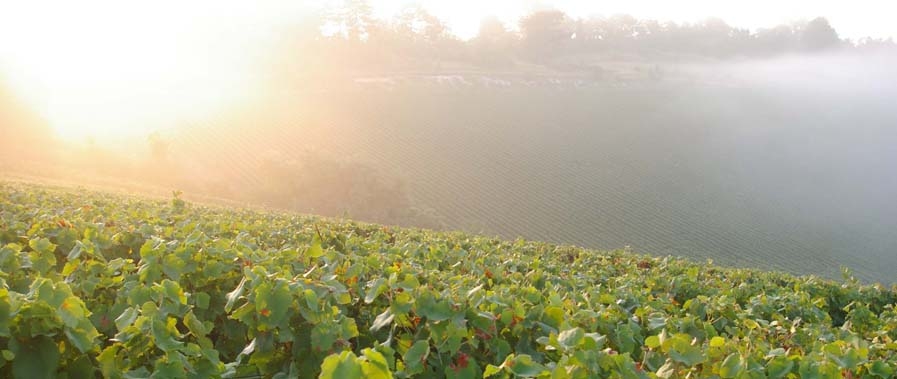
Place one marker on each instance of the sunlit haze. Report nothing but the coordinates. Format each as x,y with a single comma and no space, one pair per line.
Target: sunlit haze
96,69
101,68
754,133
347,189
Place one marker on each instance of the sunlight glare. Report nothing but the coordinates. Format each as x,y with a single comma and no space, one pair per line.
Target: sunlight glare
99,69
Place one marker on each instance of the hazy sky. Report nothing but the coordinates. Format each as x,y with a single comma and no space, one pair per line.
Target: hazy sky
92,65
853,19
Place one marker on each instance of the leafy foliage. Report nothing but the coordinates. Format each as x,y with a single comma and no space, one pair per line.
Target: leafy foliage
94,285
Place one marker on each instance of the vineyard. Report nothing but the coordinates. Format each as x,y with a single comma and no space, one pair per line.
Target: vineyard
729,174
102,285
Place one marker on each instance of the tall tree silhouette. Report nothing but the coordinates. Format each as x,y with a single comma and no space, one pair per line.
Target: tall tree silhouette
353,19
818,34
493,44
545,33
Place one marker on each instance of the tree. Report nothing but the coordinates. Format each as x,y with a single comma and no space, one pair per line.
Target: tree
493,44
545,33
492,31
420,35
620,29
418,24
777,40
353,20
354,40
818,34
876,44
714,37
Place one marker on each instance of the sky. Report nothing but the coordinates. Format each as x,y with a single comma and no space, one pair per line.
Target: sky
853,19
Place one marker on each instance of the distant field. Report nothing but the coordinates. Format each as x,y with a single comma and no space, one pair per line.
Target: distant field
739,176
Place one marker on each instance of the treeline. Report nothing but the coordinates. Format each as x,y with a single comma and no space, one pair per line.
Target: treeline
349,36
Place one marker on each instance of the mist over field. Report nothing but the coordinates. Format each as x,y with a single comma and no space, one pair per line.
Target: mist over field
782,159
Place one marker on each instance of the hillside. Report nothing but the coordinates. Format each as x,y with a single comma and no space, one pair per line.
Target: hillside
100,285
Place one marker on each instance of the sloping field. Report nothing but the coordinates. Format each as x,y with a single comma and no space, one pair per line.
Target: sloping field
101,285
802,183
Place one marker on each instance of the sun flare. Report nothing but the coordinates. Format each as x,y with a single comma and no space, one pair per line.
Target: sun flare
102,69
